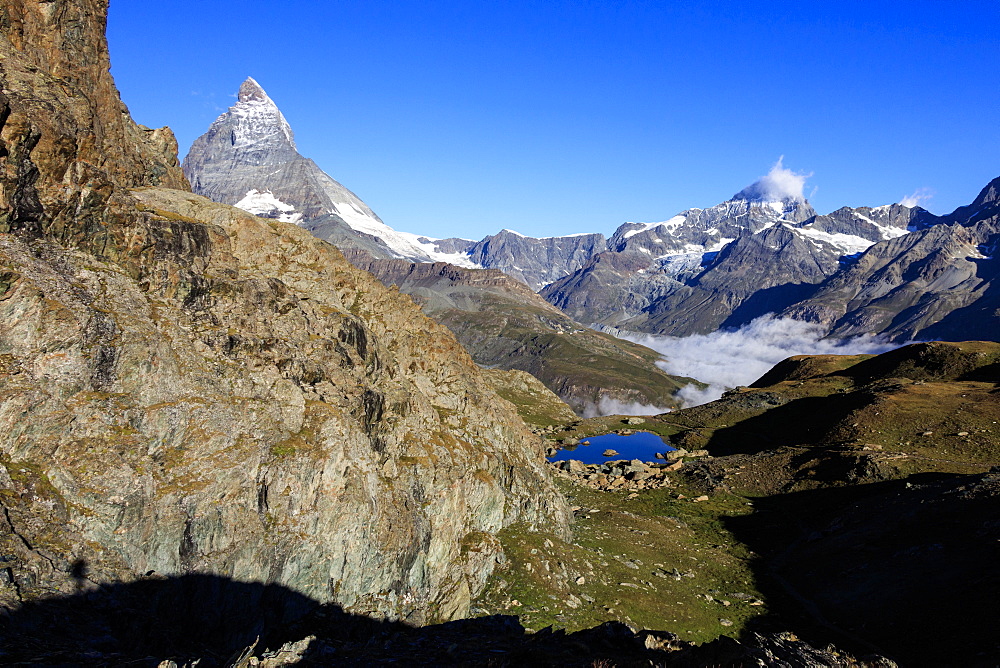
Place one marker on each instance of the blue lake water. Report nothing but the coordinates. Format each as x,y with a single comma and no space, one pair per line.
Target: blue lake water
641,445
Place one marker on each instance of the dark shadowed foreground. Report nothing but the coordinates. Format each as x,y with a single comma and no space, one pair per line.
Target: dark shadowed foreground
222,622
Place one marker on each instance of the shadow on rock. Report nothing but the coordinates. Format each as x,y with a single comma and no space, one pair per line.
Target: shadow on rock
192,616
209,621
904,568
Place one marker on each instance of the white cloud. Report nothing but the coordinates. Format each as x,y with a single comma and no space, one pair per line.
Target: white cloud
919,195
609,406
727,358
778,184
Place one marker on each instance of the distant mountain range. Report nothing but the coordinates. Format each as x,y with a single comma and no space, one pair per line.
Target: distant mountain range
724,266
894,270
479,290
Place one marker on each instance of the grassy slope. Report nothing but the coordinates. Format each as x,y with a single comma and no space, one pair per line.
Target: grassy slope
537,405
685,567
578,364
828,500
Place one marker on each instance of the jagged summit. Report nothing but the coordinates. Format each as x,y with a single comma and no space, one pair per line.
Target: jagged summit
251,90
780,189
259,124
250,152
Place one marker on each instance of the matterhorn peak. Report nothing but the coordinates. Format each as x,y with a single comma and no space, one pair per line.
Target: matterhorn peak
250,90
259,122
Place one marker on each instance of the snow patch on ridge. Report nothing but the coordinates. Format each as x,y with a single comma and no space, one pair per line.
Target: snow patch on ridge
848,243
413,247
670,225
892,232
264,203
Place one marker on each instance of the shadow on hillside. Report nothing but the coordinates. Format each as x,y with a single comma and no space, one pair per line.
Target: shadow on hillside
904,568
211,621
805,420
192,616
769,300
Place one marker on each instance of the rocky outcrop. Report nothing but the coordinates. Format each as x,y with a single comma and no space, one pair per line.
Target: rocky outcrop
502,323
186,388
66,139
535,262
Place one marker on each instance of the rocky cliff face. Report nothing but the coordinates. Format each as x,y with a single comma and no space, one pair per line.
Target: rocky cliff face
188,388
67,139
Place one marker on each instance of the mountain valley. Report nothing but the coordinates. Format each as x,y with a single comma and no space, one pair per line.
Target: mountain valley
503,324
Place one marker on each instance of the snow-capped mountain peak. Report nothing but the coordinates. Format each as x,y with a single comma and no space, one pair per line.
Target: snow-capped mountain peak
250,90
760,194
258,119
248,159
779,186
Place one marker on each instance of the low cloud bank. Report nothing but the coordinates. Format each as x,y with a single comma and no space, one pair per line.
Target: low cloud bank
727,358
609,406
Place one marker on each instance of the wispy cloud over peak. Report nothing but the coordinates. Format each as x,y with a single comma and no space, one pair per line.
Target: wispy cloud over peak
919,195
778,185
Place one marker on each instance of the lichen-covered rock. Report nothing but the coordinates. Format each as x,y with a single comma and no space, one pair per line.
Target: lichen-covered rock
187,388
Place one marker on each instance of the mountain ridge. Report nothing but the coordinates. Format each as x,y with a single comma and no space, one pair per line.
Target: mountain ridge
675,277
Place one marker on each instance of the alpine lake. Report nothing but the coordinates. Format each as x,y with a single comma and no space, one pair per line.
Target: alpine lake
641,445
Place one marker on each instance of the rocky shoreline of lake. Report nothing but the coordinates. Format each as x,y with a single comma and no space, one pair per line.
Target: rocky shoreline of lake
627,474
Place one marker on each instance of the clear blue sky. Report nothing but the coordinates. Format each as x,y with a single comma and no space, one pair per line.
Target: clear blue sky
556,117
